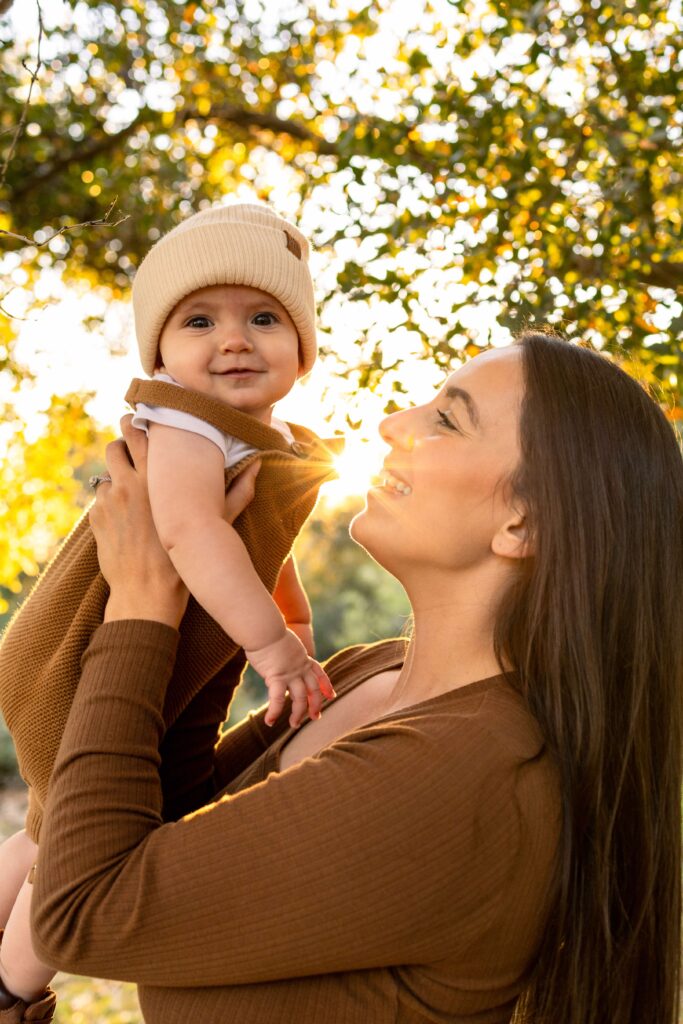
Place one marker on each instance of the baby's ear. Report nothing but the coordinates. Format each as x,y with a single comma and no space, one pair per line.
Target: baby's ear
301,372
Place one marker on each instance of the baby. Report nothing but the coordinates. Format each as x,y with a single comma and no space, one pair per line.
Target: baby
225,320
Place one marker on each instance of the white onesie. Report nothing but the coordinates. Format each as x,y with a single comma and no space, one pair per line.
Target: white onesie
233,449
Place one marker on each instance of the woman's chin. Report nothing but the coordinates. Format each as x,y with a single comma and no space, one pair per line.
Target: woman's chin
369,537
356,526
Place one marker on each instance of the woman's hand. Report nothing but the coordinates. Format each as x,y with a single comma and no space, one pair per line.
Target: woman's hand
241,492
142,580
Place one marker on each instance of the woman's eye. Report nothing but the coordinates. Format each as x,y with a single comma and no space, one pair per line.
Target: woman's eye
198,321
264,319
446,422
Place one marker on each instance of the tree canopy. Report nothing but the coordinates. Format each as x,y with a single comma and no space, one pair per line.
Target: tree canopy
464,167
530,152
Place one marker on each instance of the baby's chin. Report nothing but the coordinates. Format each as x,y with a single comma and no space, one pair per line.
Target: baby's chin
241,397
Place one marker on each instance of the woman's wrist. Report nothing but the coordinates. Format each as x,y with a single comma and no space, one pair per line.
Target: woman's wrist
163,603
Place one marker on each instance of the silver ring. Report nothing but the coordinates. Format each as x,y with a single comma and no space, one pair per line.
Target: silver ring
95,481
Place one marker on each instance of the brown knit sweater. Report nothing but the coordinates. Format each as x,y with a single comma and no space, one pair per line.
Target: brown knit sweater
42,648
402,875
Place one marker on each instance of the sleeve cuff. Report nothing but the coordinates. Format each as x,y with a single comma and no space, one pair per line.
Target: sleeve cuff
135,655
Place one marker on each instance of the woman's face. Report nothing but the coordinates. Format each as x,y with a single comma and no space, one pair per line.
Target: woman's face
442,499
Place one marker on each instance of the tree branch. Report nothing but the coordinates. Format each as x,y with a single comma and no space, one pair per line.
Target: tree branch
99,222
87,152
246,118
665,274
34,76
241,116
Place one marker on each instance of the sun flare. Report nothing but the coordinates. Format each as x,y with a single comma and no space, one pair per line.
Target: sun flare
360,461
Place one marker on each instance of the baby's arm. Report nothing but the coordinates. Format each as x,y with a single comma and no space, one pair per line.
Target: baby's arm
290,597
21,972
187,496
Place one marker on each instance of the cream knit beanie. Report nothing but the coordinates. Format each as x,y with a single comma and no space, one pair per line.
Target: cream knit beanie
243,244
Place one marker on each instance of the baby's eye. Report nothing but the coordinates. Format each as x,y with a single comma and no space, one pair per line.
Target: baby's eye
445,421
199,321
264,319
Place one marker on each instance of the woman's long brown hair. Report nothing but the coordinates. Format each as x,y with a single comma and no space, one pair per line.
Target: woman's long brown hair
594,629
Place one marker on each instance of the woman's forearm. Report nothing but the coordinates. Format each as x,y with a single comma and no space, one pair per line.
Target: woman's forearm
71,868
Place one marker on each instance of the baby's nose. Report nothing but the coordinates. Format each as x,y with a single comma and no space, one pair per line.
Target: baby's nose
234,340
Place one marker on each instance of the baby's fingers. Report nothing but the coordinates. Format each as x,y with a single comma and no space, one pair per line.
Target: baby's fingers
299,695
313,682
276,701
323,681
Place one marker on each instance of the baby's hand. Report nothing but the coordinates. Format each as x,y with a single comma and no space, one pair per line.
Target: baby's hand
287,668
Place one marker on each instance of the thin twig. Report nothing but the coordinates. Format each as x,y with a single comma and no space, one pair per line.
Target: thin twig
99,222
12,316
24,114
36,306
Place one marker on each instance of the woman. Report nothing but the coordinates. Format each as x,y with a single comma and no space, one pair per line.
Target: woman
489,817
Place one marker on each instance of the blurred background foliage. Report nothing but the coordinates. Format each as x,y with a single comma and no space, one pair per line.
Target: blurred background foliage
463,167
530,152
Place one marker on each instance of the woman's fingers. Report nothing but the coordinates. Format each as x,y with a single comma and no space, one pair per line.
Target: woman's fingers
136,443
128,454
241,492
118,463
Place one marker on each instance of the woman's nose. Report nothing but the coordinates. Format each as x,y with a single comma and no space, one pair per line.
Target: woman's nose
398,429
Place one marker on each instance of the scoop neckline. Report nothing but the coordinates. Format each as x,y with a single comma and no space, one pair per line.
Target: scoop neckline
274,751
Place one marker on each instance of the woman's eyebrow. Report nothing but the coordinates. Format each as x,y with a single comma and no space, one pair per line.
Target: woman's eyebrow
454,392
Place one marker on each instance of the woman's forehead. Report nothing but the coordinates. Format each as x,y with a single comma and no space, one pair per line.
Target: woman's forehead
495,367
489,384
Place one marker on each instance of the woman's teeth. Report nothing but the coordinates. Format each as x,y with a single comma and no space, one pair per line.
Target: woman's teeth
394,484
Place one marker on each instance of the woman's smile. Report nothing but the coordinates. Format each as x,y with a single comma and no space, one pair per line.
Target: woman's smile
392,484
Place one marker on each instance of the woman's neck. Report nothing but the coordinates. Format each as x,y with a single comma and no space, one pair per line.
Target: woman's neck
451,645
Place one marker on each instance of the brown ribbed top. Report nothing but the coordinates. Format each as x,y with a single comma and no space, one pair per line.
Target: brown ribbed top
403,874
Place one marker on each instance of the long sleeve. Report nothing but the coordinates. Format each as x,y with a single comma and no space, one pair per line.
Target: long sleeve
341,863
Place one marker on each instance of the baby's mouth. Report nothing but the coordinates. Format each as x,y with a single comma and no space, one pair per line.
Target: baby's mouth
239,371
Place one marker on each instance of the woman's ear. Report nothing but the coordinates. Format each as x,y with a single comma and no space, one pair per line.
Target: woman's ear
513,539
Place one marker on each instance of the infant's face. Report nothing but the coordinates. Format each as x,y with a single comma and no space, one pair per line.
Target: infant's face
235,343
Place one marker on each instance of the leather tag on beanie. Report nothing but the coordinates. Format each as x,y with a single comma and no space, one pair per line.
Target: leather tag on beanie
293,245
